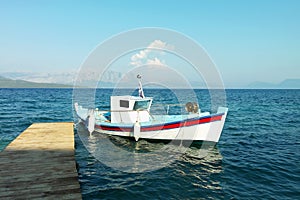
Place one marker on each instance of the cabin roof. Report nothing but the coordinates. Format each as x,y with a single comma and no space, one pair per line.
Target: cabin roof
128,97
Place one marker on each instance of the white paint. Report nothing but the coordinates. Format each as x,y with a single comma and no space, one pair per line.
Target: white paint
137,131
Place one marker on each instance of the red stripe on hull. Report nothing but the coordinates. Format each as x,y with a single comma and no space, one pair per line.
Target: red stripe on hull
182,124
108,128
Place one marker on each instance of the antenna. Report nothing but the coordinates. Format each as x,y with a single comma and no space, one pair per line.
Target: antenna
141,91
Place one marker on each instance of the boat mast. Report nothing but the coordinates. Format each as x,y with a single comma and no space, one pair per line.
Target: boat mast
141,91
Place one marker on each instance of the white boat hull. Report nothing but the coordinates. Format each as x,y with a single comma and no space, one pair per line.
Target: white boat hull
207,128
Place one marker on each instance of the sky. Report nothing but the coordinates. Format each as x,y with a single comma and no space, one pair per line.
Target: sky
249,41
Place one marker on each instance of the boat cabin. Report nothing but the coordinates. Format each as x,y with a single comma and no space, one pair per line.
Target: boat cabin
130,109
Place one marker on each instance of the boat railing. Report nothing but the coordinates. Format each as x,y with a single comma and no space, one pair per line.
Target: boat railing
156,105
165,107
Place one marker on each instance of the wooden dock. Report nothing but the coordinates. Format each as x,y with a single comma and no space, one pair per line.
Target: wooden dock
40,164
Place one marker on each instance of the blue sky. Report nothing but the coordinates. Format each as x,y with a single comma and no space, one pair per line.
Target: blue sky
248,40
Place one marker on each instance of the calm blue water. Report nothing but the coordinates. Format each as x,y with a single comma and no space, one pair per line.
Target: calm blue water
258,156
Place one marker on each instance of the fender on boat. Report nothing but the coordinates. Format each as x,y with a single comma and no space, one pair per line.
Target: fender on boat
137,131
91,123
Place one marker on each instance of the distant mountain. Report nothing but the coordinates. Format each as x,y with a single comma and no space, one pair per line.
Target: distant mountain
286,84
86,78
290,83
261,85
61,78
10,83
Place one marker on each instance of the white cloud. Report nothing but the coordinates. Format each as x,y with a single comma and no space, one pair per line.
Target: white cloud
154,61
160,45
136,62
157,44
140,55
155,48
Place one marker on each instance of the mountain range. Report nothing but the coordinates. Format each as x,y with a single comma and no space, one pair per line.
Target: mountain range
286,84
66,80
10,83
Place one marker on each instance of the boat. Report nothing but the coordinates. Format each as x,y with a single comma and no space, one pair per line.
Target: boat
130,116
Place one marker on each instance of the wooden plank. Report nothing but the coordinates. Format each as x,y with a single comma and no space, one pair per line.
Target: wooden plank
40,164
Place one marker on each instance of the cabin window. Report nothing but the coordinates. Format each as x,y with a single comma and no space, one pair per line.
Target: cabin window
124,104
141,105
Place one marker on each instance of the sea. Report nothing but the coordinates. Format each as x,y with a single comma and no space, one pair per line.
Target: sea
257,156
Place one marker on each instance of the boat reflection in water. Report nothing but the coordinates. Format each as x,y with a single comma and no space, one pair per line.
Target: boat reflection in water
130,156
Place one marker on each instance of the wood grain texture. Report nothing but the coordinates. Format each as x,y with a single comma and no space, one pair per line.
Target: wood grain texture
40,164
